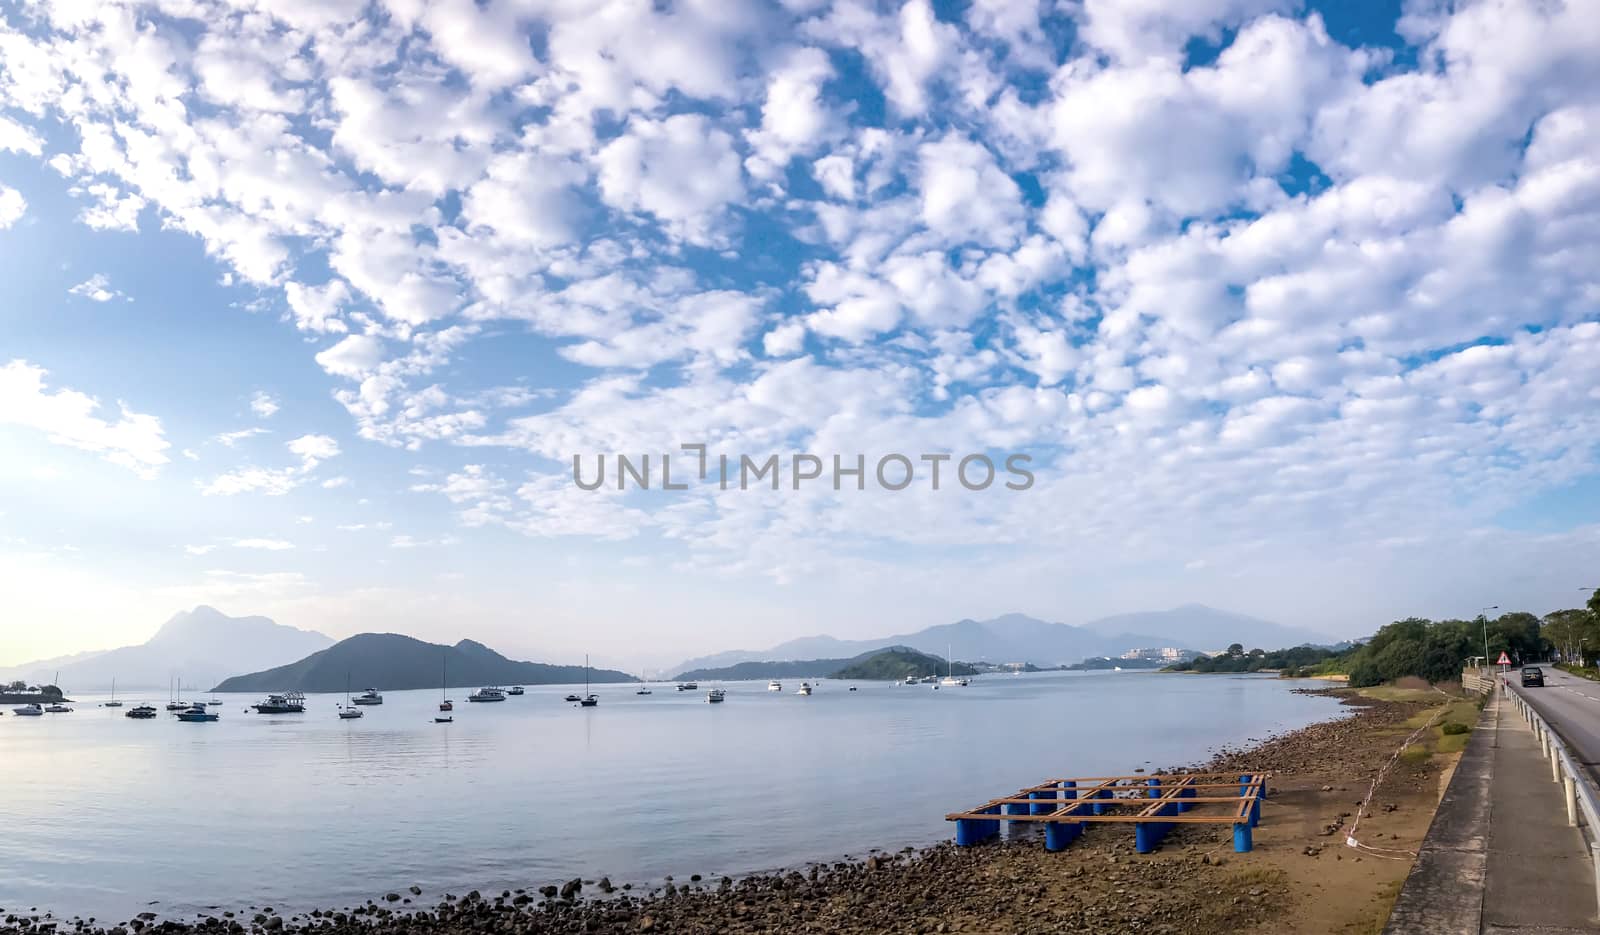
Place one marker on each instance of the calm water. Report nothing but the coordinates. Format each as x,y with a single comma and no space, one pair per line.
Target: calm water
102,815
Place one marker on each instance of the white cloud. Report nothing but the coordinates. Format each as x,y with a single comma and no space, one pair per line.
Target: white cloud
682,170
12,206
312,450
96,288
263,404
270,545
230,439
352,357
67,417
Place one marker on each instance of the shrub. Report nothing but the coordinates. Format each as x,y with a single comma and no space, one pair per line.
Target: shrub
1454,728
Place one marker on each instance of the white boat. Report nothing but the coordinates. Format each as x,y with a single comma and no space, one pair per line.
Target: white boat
58,708
804,689
774,686
489,693
910,680
370,696
28,710
950,678
349,713
516,690
113,703
715,696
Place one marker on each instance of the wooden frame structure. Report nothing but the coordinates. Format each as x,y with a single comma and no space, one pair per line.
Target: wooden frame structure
1153,804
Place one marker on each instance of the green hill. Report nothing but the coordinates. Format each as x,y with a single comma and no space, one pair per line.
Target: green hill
897,662
391,662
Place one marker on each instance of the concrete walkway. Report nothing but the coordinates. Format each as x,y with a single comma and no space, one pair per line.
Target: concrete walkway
1499,857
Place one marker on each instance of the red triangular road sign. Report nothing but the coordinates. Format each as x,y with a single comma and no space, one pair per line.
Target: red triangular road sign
1504,659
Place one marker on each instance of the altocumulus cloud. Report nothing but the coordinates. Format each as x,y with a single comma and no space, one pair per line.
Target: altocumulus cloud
1222,271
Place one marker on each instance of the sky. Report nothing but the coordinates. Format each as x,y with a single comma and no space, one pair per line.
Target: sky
307,307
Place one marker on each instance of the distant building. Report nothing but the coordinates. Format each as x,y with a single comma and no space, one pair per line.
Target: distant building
1164,654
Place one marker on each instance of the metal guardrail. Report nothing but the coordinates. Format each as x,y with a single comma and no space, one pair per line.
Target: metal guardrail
1580,796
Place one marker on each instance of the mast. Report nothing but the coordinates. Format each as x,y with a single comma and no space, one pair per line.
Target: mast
585,675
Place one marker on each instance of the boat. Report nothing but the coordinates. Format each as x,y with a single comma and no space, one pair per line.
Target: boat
572,698
142,712
28,710
488,693
715,696
349,712
175,700
688,686
370,696
444,720
804,689
929,679
215,703
197,714
852,688
950,677
445,704
774,686
57,708
287,703
910,680
113,703
515,690
643,691
588,700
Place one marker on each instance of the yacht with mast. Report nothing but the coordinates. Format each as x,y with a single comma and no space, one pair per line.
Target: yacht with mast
588,700
113,703
445,704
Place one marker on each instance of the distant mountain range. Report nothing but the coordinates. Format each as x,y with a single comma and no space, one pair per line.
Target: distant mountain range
391,662
198,646
1020,638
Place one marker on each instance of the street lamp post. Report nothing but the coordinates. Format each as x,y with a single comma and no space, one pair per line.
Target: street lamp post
1484,617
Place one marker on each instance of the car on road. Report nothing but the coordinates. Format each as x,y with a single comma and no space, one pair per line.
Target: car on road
1532,677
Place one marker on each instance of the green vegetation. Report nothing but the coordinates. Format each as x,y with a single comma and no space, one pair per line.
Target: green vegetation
1454,728
1299,660
1433,650
897,663
1582,672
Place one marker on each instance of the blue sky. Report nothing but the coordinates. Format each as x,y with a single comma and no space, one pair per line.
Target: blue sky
305,311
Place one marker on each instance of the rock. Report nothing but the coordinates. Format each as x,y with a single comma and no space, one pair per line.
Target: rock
571,888
416,890
393,897
647,924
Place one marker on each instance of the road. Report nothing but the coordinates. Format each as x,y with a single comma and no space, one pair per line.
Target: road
1572,706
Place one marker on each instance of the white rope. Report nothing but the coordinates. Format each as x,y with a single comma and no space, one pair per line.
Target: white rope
1350,839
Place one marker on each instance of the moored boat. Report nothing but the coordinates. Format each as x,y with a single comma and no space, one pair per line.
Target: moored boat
28,710
514,690
113,703
804,689
715,696
58,708
368,697
488,693
588,700
774,686
141,712
688,686
287,703
197,714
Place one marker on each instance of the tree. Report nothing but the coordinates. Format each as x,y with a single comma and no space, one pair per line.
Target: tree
1236,649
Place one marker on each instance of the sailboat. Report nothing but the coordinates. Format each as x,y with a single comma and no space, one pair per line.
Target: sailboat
349,712
588,700
113,703
175,696
950,678
445,704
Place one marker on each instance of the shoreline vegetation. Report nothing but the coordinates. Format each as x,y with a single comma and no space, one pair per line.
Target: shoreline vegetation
1300,878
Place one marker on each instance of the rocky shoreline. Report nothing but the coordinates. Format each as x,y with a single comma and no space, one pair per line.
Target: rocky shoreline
1192,884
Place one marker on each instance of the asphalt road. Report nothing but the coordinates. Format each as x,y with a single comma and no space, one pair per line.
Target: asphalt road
1571,705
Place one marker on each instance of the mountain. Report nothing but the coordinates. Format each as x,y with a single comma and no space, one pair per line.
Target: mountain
199,645
1005,639
1020,638
898,662
768,669
391,662
1196,626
